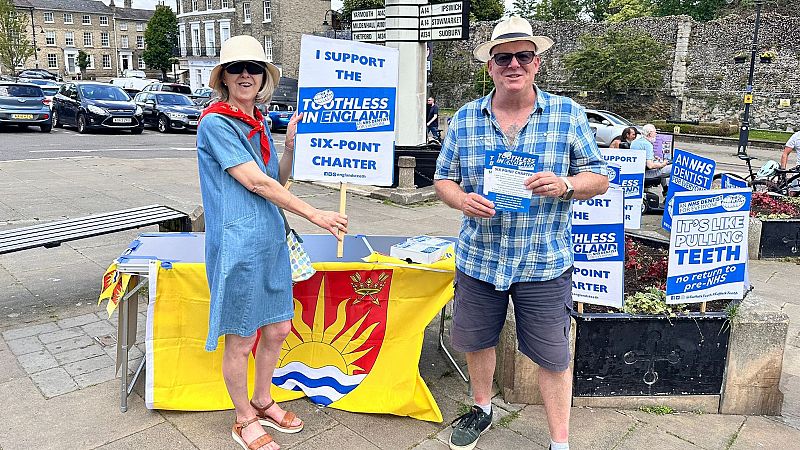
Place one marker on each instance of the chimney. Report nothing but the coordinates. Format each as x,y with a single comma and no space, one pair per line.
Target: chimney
128,4
111,4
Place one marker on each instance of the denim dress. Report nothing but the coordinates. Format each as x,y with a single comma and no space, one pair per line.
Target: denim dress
247,260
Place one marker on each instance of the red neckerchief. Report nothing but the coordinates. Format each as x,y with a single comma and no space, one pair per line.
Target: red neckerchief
256,123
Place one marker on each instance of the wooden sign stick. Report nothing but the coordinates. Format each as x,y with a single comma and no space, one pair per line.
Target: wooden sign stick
703,308
580,307
342,206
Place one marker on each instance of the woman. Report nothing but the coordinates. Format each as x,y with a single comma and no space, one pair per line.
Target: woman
247,259
624,140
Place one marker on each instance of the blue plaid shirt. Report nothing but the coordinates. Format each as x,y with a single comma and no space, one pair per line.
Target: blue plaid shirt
518,247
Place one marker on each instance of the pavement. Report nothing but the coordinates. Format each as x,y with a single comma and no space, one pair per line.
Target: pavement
59,390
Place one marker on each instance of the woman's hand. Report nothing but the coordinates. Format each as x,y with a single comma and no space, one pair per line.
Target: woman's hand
331,221
291,131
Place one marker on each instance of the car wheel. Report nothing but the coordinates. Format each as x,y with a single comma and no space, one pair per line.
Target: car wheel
46,128
137,130
645,206
56,122
163,124
81,123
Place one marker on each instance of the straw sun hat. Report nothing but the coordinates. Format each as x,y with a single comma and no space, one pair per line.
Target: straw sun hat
243,48
512,29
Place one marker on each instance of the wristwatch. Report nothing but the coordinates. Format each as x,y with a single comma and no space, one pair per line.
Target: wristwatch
567,195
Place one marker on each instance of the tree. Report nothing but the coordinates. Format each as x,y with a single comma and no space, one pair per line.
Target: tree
617,62
348,6
629,9
486,10
699,9
83,61
15,47
525,8
597,10
558,9
161,40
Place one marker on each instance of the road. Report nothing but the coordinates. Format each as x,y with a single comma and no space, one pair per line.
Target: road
28,144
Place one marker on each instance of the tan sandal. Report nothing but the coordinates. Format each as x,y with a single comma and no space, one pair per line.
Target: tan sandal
285,425
236,434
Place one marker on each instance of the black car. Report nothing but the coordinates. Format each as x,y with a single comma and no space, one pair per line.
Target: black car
168,111
39,73
89,104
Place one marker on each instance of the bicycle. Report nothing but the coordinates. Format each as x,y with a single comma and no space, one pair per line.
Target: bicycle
770,178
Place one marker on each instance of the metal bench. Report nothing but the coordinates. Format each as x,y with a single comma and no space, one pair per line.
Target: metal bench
53,234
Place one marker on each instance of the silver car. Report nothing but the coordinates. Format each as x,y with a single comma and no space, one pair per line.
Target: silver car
607,125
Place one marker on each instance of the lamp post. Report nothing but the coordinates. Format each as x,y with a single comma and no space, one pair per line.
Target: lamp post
744,130
33,33
334,23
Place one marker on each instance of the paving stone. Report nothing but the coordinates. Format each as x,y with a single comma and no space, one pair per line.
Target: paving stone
79,354
32,330
500,438
88,365
693,427
432,444
133,353
96,377
99,328
37,361
77,321
154,437
338,436
60,335
384,430
9,366
70,344
53,382
25,345
762,432
646,436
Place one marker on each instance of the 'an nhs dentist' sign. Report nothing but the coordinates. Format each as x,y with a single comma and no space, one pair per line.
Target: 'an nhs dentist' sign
708,245
347,94
690,172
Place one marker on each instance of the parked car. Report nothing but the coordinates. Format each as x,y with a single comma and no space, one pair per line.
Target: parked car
168,111
201,95
49,87
279,114
39,73
159,86
23,104
92,105
607,125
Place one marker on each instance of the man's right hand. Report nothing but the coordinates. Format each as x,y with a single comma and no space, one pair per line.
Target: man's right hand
475,205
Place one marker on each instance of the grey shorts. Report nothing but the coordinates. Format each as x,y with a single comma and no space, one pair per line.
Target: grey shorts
542,311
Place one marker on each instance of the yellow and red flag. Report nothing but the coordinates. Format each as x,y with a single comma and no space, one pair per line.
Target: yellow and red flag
114,287
355,342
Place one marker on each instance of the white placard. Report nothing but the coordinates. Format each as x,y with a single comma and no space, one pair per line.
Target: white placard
631,179
347,93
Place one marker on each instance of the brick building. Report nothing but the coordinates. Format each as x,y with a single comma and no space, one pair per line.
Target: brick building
112,36
278,24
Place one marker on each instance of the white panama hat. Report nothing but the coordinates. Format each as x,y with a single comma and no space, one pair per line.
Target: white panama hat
243,48
514,28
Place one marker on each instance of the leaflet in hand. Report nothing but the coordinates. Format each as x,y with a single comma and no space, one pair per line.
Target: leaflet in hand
504,176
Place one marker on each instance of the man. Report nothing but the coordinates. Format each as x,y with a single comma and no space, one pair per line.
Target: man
433,119
792,145
655,168
527,255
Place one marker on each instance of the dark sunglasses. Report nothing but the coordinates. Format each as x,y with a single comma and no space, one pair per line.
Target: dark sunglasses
239,67
523,58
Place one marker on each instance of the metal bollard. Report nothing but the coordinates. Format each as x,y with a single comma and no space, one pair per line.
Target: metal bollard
405,177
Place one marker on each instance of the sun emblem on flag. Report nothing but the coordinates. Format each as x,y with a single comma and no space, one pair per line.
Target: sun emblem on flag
334,341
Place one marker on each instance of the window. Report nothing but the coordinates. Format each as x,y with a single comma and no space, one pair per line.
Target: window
194,5
182,39
48,17
141,63
210,43
209,4
123,41
104,39
68,18
267,11
87,39
103,21
226,4
69,39
87,19
50,38
196,39
52,61
91,62
246,11
106,61
224,31
123,26
140,26
268,47
139,41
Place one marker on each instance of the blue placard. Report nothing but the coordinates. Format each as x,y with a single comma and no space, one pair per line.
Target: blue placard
504,176
614,173
347,110
728,181
690,172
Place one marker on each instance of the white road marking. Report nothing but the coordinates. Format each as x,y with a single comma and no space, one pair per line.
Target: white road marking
47,159
98,150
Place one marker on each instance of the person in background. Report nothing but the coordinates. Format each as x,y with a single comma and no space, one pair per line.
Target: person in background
792,145
525,255
654,168
247,258
432,121
624,140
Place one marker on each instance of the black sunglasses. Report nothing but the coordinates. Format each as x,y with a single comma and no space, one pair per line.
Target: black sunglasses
239,67
523,58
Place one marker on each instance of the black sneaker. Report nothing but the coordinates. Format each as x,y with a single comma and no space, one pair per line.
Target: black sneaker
468,428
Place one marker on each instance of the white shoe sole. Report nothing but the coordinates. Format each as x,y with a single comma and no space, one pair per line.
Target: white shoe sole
273,425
